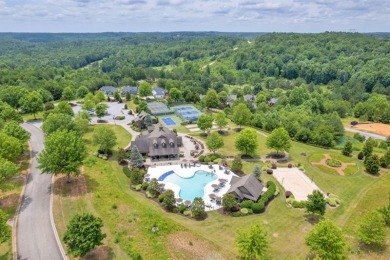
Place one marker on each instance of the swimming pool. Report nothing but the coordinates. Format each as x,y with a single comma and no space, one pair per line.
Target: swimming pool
191,187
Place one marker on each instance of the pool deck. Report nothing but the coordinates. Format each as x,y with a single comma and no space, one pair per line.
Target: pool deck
157,171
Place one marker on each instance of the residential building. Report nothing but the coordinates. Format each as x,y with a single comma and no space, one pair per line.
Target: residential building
108,90
158,92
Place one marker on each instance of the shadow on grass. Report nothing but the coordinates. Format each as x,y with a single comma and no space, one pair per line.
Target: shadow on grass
312,219
368,249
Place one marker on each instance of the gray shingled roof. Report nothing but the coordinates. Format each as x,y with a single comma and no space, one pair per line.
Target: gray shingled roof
108,89
158,91
131,89
159,142
249,97
247,187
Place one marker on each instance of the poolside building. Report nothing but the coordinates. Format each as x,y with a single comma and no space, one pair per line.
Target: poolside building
159,143
158,93
247,187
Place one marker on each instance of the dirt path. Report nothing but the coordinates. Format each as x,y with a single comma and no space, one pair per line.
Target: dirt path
340,170
205,66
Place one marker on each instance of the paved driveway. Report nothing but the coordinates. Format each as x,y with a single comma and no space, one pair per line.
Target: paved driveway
114,109
294,180
35,237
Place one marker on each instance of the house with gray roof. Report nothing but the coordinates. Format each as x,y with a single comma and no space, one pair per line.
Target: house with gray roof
139,121
250,98
159,143
133,90
231,99
247,187
108,90
272,101
158,92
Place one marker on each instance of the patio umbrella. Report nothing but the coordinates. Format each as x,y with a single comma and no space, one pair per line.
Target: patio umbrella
212,196
184,160
214,185
211,163
187,202
179,200
218,199
222,180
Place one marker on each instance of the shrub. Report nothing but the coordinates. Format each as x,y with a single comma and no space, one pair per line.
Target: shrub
359,137
246,204
290,200
187,213
125,106
360,156
258,207
333,162
145,185
269,194
207,159
201,158
237,164
244,211
137,187
333,202
383,145
114,206
270,171
127,172
298,204
182,208
161,197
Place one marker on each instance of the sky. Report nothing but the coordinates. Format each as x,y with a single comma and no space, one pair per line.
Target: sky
194,15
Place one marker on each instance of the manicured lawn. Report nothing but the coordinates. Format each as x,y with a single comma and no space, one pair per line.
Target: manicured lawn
129,216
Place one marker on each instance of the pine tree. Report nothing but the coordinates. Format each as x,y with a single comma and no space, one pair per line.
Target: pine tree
136,159
257,171
347,150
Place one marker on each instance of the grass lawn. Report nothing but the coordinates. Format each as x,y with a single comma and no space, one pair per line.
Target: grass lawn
129,216
30,117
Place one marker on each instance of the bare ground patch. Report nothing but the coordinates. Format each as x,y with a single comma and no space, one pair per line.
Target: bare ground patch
376,128
100,253
77,187
184,245
9,201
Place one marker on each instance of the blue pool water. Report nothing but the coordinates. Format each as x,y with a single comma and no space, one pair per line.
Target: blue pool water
191,187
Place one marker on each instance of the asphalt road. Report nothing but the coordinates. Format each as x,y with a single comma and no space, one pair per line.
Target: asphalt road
35,236
366,134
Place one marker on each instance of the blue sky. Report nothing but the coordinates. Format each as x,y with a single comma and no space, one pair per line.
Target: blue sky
194,15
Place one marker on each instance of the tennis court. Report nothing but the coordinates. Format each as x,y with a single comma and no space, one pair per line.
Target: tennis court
187,113
159,108
168,121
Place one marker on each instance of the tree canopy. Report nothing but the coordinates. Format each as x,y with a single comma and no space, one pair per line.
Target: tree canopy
246,141
63,154
253,244
279,140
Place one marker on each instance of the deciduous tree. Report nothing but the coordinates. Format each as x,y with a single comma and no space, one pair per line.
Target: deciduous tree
205,122
7,169
246,141
68,94
169,200
55,122
31,103
198,208
211,99
220,120
144,89
83,233
63,154
105,138
214,141
327,241
241,114
100,110
347,150
10,147
372,229
229,201
253,244
316,203
175,94
372,164
12,128
279,140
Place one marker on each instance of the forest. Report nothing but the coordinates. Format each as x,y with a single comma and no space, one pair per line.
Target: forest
317,79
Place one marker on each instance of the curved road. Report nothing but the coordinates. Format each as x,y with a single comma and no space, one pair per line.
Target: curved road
366,134
35,238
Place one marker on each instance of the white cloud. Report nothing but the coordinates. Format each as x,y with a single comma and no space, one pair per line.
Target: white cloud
169,15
